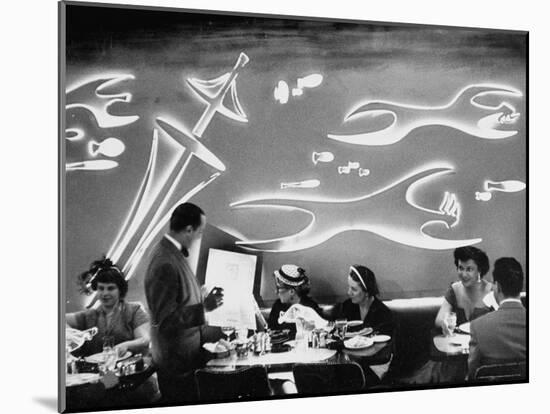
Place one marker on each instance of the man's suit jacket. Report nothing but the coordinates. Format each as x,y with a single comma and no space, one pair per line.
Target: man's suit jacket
177,313
498,337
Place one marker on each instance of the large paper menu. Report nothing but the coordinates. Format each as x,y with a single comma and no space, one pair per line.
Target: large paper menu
234,272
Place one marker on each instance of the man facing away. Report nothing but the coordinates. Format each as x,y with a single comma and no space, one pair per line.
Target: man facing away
500,336
177,307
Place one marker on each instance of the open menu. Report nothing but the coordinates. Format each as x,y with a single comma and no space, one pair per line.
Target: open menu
234,272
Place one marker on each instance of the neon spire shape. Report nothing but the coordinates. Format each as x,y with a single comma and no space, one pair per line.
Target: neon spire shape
405,223
151,208
90,95
212,93
463,112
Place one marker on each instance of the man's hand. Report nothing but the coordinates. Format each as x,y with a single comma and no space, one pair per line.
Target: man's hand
214,299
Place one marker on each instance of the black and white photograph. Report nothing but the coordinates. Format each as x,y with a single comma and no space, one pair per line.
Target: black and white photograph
268,207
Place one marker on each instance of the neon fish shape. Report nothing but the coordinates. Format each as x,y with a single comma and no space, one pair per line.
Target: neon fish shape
212,93
110,147
463,112
301,184
507,186
405,222
90,95
93,165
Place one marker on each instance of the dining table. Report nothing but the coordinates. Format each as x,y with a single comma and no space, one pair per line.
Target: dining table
279,365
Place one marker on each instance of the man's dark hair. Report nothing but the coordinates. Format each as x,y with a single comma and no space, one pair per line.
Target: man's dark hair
509,275
186,214
477,255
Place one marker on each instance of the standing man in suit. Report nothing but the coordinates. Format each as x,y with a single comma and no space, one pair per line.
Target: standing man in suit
177,307
500,336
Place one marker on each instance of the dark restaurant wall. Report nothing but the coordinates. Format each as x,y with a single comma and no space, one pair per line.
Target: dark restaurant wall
335,143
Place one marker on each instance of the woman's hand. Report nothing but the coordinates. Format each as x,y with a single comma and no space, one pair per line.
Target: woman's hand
121,350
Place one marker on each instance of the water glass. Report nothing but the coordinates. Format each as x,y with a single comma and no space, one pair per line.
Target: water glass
450,322
340,328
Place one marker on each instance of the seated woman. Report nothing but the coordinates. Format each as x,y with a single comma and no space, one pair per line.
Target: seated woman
363,303
465,297
126,322
292,287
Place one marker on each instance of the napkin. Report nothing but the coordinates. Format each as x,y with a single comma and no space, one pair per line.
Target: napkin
297,311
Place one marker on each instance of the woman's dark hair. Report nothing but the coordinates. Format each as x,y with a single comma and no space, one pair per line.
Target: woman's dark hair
365,278
186,214
480,258
103,271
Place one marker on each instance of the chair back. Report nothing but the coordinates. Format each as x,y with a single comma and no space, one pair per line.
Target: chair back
323,378
511,371
242,383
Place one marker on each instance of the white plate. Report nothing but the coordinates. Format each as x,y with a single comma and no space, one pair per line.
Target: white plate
465,327
99,358
381,338
78,379
364,331
358,342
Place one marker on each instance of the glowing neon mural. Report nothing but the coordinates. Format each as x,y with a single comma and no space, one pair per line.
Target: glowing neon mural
507,186
74,134
152,206
363,172
110,147
212,93
370,213
463,112
325,156
90,94
346,169
281,91
92,165
301,184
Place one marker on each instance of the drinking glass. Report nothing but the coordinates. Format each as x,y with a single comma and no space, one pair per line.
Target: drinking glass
340,328
227,331
450,321
242,333
109,357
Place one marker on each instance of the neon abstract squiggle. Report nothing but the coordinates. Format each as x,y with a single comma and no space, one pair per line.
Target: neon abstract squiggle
330,217
463,112
88,95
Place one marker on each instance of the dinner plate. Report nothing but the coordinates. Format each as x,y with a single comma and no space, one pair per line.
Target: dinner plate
465,327
78,379
358,342
365,331
99,357
381,338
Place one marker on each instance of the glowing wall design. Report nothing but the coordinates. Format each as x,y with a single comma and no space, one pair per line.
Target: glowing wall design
92,95
370,213
463,112
212,93
428,124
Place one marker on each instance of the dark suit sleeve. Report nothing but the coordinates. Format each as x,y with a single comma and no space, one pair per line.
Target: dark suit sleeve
474,357
166,310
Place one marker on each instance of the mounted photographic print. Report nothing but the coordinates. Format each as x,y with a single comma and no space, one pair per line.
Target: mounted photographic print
258,207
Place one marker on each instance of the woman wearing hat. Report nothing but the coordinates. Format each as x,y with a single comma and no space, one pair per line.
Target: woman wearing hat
292,288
